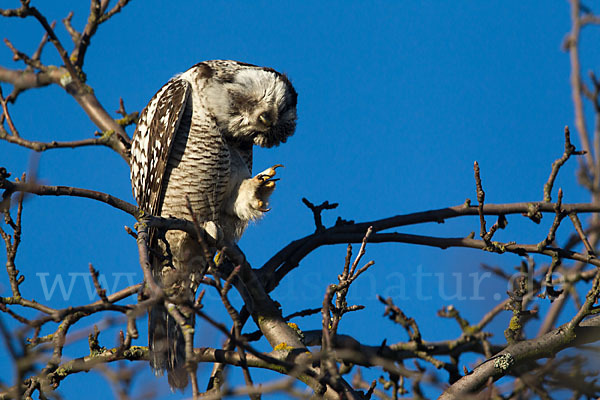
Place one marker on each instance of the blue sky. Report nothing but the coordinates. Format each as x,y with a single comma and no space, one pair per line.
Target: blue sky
396,102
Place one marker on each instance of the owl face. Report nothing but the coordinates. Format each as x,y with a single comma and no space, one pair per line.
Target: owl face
258,106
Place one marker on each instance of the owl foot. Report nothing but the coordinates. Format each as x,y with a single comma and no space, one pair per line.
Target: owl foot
265,186
253,196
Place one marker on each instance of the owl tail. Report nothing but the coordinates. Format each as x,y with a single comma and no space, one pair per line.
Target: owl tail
180,279
167,347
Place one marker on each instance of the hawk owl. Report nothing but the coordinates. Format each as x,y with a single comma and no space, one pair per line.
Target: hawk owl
194,142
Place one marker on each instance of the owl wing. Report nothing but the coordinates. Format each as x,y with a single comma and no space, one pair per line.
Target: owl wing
153,140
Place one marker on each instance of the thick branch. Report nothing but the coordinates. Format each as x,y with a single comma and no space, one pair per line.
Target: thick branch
22,80
290,256
45,190
521,353
576,83
43,146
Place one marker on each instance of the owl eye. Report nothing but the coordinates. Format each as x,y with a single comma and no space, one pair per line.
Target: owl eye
266,120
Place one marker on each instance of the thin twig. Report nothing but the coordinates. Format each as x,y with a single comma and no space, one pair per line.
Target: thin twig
101,292
317,210
579,229
480,201
556,165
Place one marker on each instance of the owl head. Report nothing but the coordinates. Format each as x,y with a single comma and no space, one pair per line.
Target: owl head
254,105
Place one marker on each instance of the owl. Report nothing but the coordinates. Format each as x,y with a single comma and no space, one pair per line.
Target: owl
193,142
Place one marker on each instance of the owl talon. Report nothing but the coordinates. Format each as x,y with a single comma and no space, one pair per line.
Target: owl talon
269,173
262,177
269,183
